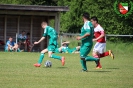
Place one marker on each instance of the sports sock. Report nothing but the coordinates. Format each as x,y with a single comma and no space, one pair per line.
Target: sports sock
71,50
83,63
98,63
89,58
18,50
74,49
41,58
55,57
104,54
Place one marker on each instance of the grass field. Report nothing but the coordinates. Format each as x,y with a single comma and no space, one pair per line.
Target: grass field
17,71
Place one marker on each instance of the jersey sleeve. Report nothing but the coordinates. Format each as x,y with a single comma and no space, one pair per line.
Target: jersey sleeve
19,36
101,30
8,43
45,32
87,27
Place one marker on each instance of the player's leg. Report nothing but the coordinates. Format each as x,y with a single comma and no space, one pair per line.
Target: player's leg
90,58
98,64
6,49
75,49
25,46
10,48
15,47
58,50
51,49
41,58
51,55
107,53
96,51
84,51
78,48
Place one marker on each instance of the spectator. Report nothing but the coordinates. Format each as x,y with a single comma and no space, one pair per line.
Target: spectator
22,40
11,46
28,43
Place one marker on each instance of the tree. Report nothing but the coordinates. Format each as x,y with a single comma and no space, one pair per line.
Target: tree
24,2
104,9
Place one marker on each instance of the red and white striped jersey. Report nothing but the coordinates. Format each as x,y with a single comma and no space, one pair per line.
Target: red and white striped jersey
97,32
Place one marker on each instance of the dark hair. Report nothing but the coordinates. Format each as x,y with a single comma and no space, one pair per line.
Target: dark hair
86,15
94,18
10,37
28,33
44,22
23,31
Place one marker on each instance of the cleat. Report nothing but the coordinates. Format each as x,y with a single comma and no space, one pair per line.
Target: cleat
98,67
98,64
84,70
111,54
63,61
37,65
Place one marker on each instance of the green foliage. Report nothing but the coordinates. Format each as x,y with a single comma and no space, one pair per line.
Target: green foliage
24,2
44,2
30,2
71,21
104,9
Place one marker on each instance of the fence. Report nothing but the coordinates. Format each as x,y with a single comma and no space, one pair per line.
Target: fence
110,35
64,35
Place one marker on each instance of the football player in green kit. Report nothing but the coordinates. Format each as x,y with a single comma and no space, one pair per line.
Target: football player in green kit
86,38
53,36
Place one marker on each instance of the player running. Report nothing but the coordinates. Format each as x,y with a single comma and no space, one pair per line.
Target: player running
98,50
86,37
53,36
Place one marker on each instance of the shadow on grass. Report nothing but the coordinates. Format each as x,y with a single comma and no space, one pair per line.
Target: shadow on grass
99,71
112,68
62,67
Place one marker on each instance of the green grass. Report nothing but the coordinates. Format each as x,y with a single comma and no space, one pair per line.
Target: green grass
17,71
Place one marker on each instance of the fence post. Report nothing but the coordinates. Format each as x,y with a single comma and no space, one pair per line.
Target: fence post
16,38
106,42
61,39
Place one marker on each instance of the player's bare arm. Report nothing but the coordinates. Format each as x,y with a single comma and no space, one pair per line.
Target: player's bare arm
9,45
67,42
80,37
101,36
39,40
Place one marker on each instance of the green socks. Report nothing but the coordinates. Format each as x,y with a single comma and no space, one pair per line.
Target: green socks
52,56
83,63
89,58
41,58
55,57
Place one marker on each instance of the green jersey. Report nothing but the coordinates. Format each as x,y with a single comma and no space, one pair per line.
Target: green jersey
52,35
87,28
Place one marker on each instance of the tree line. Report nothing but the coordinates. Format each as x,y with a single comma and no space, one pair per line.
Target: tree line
71,21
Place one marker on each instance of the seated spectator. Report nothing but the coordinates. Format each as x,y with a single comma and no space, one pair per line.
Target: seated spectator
11,46
22,40
28,43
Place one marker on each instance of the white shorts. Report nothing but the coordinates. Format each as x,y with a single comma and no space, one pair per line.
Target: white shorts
99,47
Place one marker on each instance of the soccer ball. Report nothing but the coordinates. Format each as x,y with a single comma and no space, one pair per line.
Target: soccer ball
48,63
